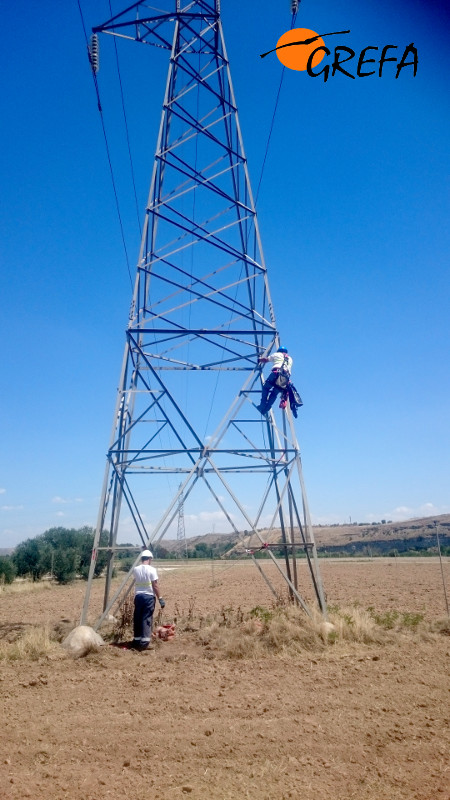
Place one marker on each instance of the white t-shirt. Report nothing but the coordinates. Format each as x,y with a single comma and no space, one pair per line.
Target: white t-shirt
278,360
144,574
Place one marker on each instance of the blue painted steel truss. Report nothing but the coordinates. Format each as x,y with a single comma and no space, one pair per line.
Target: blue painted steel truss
201,316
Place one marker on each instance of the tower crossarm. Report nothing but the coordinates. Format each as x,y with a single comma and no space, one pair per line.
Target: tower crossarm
137,24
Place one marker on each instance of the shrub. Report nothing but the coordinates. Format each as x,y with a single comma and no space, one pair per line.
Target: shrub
65,564
261,613
31,558
7,569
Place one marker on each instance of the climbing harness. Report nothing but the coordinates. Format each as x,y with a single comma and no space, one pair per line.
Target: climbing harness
284,374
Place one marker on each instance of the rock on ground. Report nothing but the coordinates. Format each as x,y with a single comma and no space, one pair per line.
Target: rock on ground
81,641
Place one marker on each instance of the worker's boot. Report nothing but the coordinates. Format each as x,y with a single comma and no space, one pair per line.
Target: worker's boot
145,645
263,406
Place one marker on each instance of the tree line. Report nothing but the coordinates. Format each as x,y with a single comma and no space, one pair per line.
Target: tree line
62,553
65,554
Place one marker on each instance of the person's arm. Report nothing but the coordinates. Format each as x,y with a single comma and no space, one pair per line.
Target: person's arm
265,359
157,594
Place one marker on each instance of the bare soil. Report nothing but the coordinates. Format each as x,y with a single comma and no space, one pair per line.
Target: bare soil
353,721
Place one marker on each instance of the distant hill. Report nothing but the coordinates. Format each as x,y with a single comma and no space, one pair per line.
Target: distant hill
377,538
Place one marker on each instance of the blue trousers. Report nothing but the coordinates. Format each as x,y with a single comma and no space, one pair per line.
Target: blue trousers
144,606
269,392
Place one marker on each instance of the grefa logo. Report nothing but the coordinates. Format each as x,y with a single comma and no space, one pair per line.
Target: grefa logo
302,49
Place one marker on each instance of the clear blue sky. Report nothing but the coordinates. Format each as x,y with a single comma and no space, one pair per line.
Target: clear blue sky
354,215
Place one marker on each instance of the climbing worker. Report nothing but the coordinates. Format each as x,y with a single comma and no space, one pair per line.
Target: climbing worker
278,379
145,589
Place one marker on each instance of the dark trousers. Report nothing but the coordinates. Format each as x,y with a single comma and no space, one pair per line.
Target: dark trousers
269,392
144,606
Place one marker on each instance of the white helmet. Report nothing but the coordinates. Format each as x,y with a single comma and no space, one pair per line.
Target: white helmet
146,554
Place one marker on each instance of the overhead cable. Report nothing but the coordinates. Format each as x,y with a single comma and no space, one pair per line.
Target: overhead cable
126,130
99,105
294,8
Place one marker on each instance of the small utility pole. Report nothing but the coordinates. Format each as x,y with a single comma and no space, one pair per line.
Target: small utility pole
436,527
181,531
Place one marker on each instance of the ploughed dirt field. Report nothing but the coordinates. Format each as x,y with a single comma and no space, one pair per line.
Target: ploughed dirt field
236,706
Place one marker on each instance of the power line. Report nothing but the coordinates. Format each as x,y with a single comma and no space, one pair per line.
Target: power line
294,6
99,106
126,130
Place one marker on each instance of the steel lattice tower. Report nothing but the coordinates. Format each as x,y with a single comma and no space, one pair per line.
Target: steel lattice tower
201,315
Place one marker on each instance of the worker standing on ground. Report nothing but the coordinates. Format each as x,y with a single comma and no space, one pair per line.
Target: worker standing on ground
278,379
145,590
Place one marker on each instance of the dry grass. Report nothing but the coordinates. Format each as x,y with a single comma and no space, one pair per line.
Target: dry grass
262,632
124,619
356,625
289,631
25,586
441,626
31,646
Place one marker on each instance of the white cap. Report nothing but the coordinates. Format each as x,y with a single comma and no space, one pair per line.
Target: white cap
146,554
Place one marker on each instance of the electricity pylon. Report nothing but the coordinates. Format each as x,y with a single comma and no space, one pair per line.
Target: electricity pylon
201,316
